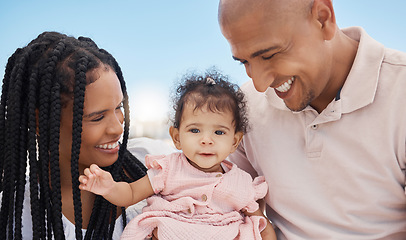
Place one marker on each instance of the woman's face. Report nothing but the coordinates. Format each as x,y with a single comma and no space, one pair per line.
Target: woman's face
102,123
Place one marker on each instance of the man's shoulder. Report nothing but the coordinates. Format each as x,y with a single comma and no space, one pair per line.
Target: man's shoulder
395,57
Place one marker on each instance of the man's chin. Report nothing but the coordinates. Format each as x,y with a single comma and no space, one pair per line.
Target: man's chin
296,108
300,106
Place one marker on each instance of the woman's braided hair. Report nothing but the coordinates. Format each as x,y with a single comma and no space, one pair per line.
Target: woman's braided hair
39,80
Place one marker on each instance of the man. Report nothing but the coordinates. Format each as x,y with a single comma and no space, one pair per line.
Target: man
328,120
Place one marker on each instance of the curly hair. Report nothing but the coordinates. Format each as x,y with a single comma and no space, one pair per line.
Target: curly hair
214,91
38,82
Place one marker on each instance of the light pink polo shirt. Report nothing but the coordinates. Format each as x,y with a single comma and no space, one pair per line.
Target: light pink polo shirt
339,174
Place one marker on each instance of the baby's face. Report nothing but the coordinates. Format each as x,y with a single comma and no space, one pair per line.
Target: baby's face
206,137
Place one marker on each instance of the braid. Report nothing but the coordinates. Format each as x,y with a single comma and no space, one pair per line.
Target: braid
112,222
133,166
79,95
3,101
21,180
44,124
98,231
54,126
32,150
93,216
13,115
54,162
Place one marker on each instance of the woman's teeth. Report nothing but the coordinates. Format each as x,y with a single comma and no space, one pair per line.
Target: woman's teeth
286,85
108,146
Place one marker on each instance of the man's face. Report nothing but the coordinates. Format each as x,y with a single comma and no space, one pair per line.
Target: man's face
287,54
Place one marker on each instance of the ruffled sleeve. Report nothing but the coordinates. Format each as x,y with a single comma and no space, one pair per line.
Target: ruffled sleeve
260,190
158,169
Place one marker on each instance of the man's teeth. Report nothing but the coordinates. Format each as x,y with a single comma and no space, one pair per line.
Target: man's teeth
286,85
108,146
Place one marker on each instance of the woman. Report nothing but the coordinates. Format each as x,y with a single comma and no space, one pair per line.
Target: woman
61,108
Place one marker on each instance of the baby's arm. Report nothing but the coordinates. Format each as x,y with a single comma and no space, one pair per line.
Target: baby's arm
101,182
268,233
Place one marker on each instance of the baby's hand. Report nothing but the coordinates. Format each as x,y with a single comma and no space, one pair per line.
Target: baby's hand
96,180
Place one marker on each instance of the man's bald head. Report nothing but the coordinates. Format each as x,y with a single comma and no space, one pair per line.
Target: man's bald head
232,10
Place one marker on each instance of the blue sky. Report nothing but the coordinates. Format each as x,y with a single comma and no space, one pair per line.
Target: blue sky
155,42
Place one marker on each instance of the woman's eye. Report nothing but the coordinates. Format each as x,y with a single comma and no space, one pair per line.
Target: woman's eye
194,130
120,106
98,118
218,132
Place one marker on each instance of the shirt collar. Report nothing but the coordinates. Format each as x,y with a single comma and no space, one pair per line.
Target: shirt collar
360,86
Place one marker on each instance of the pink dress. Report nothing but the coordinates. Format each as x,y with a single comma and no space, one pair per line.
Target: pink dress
192,204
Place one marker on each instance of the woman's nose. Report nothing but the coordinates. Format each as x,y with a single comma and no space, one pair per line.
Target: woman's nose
116,124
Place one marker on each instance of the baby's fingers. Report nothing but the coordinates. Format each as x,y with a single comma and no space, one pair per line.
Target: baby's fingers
83,181
88,173
99,173
95,169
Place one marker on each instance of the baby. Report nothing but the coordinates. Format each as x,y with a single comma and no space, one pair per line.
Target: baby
195,193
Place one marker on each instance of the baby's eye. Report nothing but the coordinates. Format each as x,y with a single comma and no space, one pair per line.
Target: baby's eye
218,132
194,130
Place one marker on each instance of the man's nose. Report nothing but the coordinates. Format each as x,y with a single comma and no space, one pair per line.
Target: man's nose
261,76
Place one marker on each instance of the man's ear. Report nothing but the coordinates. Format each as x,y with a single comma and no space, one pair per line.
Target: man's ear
237,139
174,132
323,12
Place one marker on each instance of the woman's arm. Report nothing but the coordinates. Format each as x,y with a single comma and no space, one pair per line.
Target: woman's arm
124,194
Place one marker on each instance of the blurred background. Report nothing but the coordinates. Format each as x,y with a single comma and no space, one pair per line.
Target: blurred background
156,42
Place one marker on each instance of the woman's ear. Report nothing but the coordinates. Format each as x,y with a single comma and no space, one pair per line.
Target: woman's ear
323,12
174,132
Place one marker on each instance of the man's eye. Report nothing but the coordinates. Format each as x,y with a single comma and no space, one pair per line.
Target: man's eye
194,130
218,132
267,58
243,62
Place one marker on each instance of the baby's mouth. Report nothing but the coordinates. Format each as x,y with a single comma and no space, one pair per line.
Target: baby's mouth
206,154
